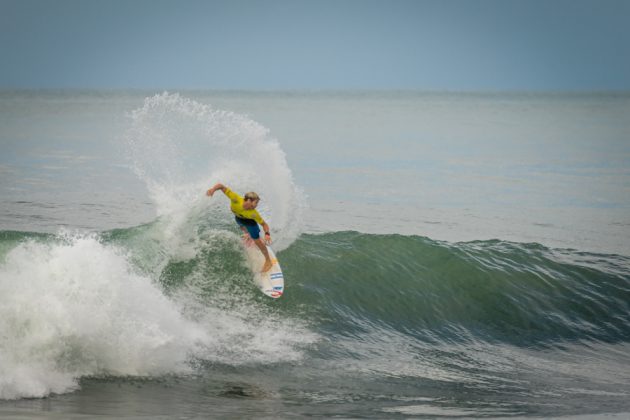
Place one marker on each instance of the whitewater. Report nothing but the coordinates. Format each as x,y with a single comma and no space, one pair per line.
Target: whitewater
449,255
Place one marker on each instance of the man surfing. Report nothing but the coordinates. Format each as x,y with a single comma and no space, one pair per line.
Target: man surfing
248,218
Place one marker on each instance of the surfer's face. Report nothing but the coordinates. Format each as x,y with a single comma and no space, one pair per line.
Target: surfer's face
250,204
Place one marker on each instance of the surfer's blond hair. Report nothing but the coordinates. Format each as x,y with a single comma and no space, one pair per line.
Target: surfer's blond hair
252,196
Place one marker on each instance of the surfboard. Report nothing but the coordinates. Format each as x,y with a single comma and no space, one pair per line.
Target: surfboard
270,282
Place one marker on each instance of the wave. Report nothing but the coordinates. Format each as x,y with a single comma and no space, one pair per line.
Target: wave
121,303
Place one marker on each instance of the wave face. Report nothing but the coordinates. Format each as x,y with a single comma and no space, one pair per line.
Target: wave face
520,294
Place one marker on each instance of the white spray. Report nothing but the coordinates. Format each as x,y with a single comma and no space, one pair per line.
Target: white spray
180,148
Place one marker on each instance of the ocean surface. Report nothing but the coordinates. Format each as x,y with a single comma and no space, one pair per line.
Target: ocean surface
446,255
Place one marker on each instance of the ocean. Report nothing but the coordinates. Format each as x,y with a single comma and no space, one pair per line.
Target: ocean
446,255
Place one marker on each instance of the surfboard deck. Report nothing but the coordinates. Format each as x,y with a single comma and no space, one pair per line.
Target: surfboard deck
271,282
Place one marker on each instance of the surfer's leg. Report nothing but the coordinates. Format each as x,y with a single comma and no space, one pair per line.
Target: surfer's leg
247,233
248,239
254,233
263,248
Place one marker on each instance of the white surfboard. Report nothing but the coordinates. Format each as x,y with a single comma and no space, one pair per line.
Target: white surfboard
270,282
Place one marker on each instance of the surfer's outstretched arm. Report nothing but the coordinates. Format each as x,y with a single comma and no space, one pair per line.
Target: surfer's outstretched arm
217,186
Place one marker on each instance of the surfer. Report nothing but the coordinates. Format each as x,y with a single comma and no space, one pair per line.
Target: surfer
248,218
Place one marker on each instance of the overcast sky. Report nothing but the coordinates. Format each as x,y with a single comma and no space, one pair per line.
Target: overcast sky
318,44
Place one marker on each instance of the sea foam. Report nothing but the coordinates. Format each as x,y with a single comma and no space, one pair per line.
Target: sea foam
77,308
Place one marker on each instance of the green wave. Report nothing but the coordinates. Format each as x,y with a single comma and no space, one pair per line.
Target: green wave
520,293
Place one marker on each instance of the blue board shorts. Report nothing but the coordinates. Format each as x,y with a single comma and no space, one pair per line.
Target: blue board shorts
250,225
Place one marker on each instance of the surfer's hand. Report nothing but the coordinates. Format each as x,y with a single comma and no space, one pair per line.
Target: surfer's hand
267,239
209,192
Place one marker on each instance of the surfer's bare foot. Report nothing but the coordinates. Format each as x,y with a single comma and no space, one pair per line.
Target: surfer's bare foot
266,267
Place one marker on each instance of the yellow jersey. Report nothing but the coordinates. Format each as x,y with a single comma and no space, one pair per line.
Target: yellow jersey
236,205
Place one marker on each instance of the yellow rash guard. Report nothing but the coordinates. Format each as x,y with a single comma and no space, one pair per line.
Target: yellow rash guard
236,205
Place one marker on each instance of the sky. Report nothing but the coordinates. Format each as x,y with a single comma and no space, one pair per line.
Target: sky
454,45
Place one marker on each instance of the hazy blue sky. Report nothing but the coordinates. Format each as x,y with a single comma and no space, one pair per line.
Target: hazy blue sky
318,44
